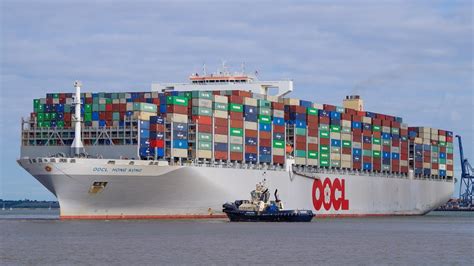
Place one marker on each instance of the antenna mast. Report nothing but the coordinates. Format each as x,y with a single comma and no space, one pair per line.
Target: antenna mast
77,143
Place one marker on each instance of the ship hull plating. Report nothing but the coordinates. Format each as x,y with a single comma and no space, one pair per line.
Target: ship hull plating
96,189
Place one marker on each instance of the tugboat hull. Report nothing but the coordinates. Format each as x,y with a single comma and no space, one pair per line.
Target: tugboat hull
281,216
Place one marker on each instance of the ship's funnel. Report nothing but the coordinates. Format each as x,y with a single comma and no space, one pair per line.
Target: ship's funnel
354,102
77,146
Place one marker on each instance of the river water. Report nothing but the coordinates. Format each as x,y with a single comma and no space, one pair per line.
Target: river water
38,237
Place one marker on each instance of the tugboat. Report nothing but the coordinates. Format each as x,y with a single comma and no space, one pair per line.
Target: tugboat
260,209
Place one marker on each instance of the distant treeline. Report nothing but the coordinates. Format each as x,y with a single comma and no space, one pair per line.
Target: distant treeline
26,203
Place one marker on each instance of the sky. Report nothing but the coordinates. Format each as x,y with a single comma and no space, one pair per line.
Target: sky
412,59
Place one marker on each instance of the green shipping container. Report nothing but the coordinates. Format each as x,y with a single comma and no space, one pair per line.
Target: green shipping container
264,111
434,148
53,116
323,134
335,163
442,160
335,128
205,145
312,111
88,108
202,111
340,109
442,143
376,128
376,140
95,107
235,107
278,143
323,127
395,131
367,153
300,153
204,136
376,154
324,162
88,117
346,144
449,144
177,100
346,130
102,107
40,117
312,154
47,116
60,124
116,116
36,103
300,131
449,150
221,106
236,148
202,95
145,107
46,124
238,132
324,149
264,119
264,103
41,108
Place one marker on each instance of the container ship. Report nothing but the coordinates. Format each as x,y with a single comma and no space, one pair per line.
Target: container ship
183,149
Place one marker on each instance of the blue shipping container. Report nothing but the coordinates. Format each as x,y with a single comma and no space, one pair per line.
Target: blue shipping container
265,127
180,144
356,125
335,142
356,151
157,120
278,136
144,124
250,157
335,115
180,126
220,146
156,135
395,156
367,166
265,158
323,113
265,150
300,123
144,133
181,135
250,141
250,110
278,121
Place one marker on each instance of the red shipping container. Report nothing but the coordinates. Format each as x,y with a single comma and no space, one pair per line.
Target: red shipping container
328,107
297,109
313,120
376,122
395,168
221,130
367,133
441,132
312,147
236,99
159,143
449,139
346,116
403,156
324,141
301,139
301,146
357,165
404,169
386,148
265,134
386,123
418,164
449,156
377,167
356,118
427,159
434,166
278,106
89,101
403,132
108,116
236,156
350,112
278,129
236,116
395,143
324,120
251,133
176,109
379,116
220,155
367,146
202,120
356,131
377,134
237,123
366,159
264,142
206,129
250,149
312,132
395,124
156,101
449,167
242,93
278,159
346,150
442,149
426,153
221,121
108,107
122,107
116,107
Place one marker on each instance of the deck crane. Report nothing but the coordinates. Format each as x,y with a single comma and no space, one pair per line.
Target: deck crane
467,179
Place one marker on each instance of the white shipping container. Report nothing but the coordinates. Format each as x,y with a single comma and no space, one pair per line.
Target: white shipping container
278,113
154,94
182,153
386,129
449,162
449,173
426,141
122,100
221,114
335,135
367,120
129,106
403,126
318,106
441,138
250,125
396,149
434,172
220,138
236,140
206,154
115,101
345,164
279,152
312,140
403,163
291,101
335,156
442,167
250,101
357,145
376,147
271,98
179,118
312,161
102,101
220,99
202,103
426,165
346,157
346,137
300,160
346,123
418,140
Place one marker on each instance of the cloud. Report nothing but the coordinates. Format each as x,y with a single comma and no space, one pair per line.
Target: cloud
412,59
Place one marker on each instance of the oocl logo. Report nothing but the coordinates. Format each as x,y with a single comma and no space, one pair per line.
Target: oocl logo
329,194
